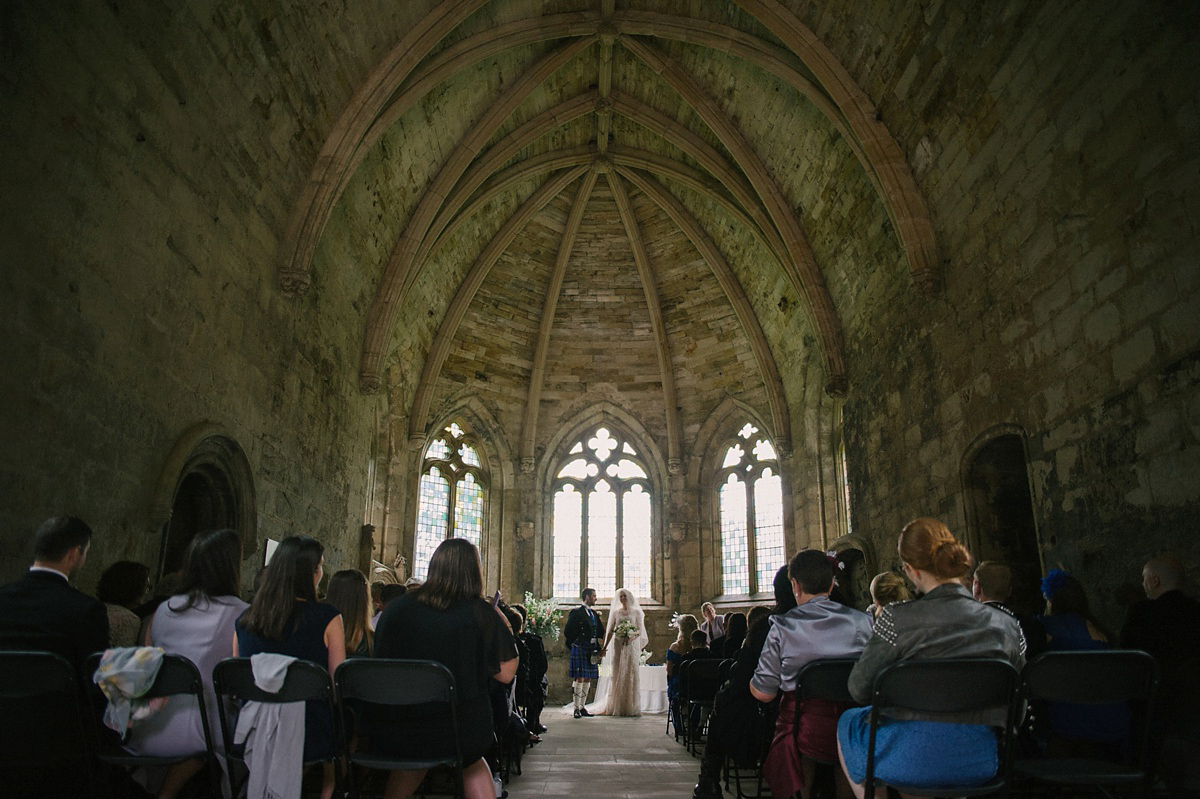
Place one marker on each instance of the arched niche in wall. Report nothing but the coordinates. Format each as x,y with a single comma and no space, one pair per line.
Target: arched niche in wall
858,566
206,484
1000,519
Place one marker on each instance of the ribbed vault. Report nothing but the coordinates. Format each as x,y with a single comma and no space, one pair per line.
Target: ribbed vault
600,204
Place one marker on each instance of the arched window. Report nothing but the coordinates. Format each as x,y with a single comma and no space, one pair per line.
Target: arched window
452,477
602,518
750,503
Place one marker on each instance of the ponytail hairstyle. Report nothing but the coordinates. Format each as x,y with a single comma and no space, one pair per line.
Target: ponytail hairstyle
928,545
288,577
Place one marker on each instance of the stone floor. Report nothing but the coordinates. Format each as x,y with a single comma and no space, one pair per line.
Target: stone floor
605,757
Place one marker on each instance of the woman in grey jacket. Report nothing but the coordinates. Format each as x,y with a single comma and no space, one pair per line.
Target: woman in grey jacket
946,622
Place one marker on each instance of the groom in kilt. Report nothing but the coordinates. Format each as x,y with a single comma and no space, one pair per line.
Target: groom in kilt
583,635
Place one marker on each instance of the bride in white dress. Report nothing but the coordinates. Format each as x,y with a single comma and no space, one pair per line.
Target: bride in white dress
626,633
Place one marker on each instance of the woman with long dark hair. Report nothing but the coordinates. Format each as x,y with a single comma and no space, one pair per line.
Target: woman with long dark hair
446,619
285,618
196,623
350,594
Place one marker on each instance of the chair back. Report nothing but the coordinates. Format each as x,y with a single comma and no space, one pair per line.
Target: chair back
393,682
703,679
951,685
234,677
826,679
1092,677
41,707
1100,677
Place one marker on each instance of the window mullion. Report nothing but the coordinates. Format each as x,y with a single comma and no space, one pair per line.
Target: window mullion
620,534
752,553
583,536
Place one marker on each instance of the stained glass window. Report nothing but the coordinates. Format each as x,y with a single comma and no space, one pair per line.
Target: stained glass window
750,505
603,518
453,476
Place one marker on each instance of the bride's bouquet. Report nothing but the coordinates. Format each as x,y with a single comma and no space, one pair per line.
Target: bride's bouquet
626,630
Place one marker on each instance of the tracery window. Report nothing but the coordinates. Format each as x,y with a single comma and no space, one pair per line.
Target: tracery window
453,478
602,518
750,504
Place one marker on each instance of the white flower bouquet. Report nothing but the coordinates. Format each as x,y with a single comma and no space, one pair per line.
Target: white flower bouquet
626,630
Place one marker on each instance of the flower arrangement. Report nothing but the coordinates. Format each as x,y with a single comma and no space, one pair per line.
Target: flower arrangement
625,630
646,653
544,617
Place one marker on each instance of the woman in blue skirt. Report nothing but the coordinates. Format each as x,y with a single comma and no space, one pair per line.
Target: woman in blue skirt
947,622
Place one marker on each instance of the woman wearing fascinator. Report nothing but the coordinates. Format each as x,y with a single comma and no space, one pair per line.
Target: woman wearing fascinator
626,633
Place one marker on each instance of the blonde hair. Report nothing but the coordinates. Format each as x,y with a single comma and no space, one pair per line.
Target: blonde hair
889,587
687,625
928,545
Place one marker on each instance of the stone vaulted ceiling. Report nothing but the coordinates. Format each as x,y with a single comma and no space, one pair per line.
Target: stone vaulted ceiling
550,183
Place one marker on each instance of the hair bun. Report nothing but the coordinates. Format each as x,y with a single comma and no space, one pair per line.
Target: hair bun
950,559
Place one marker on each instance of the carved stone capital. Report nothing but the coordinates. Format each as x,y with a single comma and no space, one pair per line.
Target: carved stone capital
524,531
837,387
293,284
928,283
369,383
674,466
416,441
526,465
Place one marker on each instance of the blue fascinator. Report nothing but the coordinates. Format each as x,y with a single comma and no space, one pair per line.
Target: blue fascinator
1052,582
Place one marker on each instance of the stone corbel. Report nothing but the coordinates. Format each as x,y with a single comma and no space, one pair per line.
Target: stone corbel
524,531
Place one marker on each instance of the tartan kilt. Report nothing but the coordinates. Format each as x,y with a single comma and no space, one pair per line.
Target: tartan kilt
581,666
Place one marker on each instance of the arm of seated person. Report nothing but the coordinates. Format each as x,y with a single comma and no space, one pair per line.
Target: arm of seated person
764,685
508,670
335,642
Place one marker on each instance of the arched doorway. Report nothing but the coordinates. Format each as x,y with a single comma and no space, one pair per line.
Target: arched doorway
1000,506
213,489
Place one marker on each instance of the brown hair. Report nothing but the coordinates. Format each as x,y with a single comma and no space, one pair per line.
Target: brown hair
928,545
348,593
889,587
288,577
995,580
455,574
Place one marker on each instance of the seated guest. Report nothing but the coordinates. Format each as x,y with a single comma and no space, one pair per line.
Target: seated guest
348,593
446,619
992,585
1167,625
680,647
1078,730
532,693
44,606
886,588
121,588
198,624
946,622
738,722
389,592
735,635
285,618
817,628
713,625
699,651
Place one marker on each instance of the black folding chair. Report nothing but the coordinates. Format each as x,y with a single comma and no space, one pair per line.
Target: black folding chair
233,682
953,685
1096,677
678,704
384,682
177,676
703,680
50,739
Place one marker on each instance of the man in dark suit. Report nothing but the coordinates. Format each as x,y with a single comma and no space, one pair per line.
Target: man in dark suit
992,585
43,610
583,634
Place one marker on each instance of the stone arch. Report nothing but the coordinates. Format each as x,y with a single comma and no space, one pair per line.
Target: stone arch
612,415
703,467
857,554
1001,523
206,483
498,461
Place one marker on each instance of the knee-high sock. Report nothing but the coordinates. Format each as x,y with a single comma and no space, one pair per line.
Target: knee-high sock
580,693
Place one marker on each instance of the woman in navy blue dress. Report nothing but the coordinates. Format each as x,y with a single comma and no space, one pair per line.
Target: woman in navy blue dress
285,618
